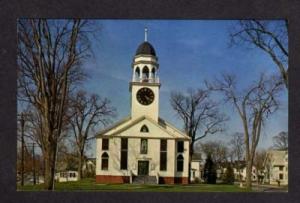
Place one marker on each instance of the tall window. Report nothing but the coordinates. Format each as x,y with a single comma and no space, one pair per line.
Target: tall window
144,146
180,146
124,153
180,163
163,155
153,72
104,162
105,144
137,73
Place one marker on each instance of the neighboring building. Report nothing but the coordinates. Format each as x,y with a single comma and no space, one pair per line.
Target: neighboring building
143,148
196,168
276,167
66,176
241,172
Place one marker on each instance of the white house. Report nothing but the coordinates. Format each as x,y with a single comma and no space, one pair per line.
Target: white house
196,170
66,176
276,167
241,173
143,148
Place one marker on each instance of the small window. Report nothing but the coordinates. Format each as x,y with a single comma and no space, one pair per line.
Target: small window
105,144
180,163
280,176
144,129
180,146
104,165
281,168
144,146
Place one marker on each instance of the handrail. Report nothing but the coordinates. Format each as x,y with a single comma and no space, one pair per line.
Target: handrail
150,80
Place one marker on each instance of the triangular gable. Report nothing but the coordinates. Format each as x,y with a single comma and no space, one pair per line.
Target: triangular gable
165,127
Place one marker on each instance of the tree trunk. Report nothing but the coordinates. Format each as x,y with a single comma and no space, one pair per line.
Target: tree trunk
80,163
50,160
48,170
249,174
191,152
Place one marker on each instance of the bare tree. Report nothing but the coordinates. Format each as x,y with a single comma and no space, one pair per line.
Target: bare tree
87,111
218,151
200,115
259,159
237,146
280,141
270,37
254,105
50,55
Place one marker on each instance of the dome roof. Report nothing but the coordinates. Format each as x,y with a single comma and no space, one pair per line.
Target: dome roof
145,48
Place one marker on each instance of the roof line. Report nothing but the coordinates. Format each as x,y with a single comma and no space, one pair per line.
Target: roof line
114,125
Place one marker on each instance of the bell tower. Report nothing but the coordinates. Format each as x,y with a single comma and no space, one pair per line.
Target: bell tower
145,84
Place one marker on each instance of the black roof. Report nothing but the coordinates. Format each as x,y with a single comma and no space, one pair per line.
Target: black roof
145,48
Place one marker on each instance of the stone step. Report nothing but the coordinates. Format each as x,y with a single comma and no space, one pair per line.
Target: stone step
144,180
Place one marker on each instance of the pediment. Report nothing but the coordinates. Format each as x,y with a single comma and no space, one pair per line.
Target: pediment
145,127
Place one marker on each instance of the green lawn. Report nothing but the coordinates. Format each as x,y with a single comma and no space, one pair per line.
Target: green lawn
90,185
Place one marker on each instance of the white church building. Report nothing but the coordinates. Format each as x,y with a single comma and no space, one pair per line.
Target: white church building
143,148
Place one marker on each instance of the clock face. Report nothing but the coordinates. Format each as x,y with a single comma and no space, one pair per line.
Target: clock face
145,96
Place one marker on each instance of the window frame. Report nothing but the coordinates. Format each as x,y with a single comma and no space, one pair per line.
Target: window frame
163,162
105,147
180,159
144,129
104,157
124,154
179,150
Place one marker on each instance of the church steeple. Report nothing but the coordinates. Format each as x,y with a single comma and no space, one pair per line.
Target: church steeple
145,84
145,63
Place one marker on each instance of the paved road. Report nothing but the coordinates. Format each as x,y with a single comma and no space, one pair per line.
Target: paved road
269,188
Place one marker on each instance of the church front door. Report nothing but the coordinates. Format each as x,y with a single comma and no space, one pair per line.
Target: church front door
143,168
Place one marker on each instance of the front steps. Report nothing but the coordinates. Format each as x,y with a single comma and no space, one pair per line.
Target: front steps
144,180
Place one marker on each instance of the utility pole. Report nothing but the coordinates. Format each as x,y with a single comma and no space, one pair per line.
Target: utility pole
22,120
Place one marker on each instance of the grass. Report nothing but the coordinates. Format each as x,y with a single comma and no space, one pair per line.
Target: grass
91,185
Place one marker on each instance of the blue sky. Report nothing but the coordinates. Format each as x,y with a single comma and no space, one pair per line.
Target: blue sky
189,51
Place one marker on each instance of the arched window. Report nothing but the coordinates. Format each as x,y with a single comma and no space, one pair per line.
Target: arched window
144,129
153,72
179,163
137,72
104,161
145,73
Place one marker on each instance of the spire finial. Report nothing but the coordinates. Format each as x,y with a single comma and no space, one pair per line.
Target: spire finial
146,33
